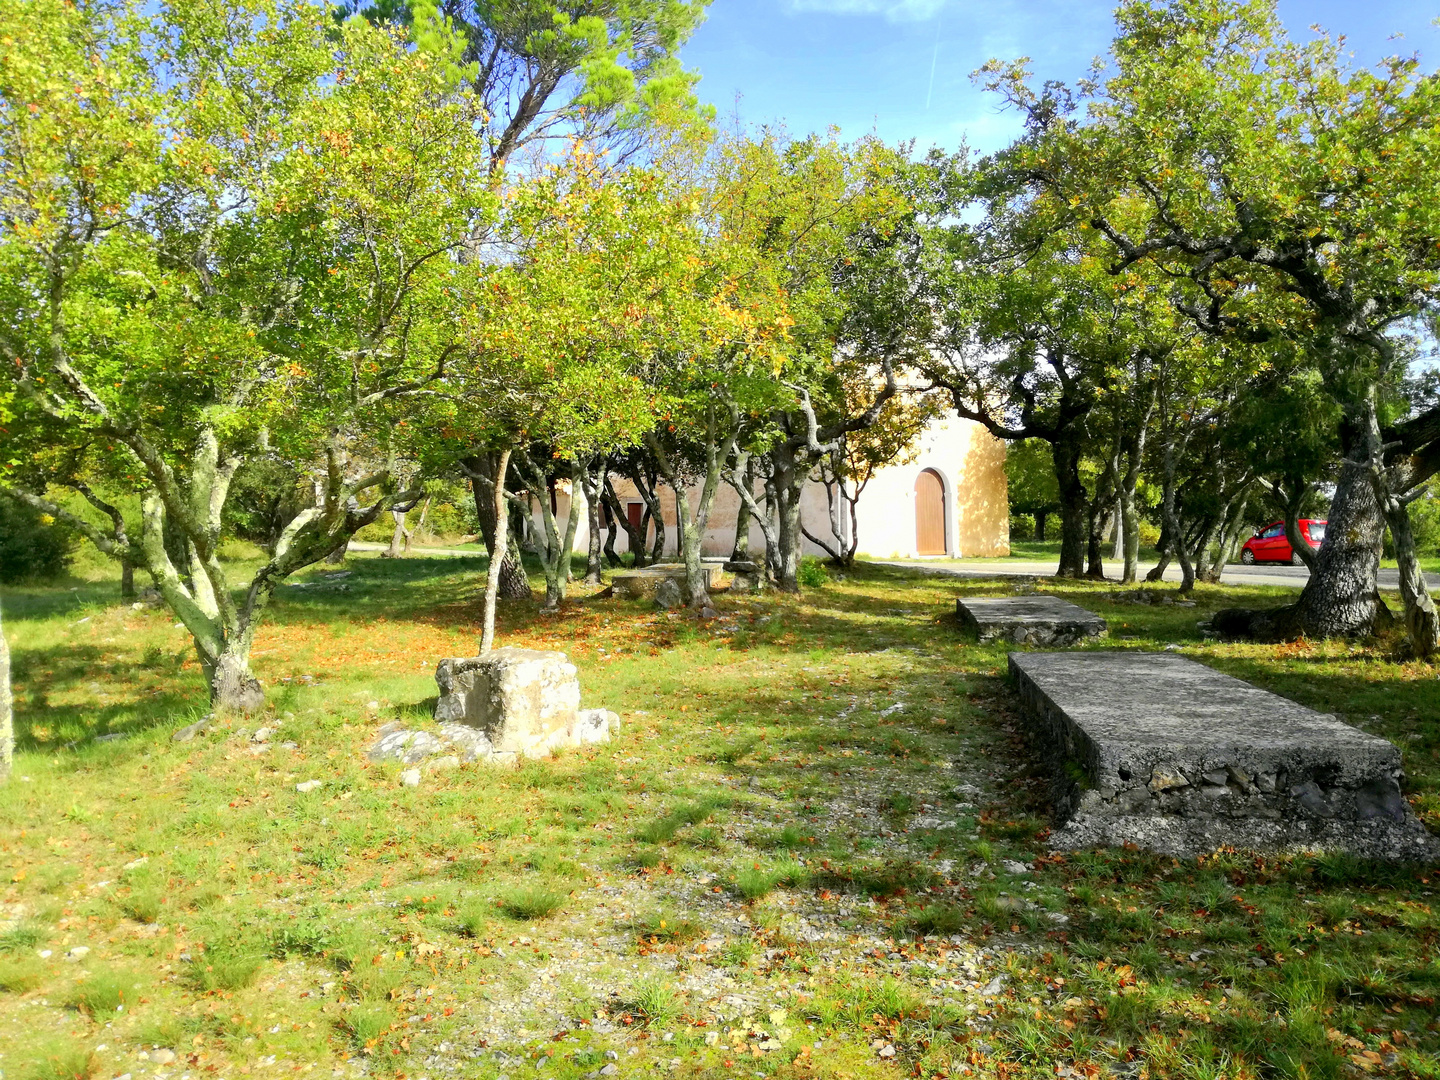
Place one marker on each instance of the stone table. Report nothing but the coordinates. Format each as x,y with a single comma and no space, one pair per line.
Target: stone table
641,584
1172,756
1029,620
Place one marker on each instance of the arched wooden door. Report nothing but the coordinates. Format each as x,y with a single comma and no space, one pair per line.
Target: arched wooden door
929,514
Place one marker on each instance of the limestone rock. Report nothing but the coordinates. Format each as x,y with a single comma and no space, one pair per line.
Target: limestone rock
309,786
667,594
410,778
185,734
525,701
406,746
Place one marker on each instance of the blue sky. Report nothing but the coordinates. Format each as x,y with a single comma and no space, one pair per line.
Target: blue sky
867,64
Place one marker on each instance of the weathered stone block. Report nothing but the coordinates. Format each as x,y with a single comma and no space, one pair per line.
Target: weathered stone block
526,702
1029,620
641,584
1170,755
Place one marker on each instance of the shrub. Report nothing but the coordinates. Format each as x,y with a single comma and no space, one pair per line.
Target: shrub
32,546
812,573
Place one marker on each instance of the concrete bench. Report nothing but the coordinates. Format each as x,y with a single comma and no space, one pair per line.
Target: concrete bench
641,584
1029,620
1172,756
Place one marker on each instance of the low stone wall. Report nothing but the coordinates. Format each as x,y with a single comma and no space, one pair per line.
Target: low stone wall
1167,754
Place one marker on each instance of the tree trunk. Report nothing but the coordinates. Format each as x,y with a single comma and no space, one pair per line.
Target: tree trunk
419,529
1342,597
1294,501
399,538
232,688
1074,502
788,483
7,711
336,557
634,535
501,517
1041,517
514,585
1231,537
592,480
556,548
741,550
127,581
1391,490
1172,522
755,512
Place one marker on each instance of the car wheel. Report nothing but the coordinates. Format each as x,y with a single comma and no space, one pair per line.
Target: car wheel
1247,557
1295,559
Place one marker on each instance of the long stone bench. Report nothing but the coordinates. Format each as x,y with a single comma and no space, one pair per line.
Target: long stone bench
1028,620
641,584
1172,756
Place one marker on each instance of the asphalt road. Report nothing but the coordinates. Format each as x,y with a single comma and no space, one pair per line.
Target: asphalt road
1293,577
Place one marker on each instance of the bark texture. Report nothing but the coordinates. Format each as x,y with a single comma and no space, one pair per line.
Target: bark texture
514,585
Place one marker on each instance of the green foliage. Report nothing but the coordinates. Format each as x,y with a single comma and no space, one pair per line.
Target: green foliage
33,545
813,573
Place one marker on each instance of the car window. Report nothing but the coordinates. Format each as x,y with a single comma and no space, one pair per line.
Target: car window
1271,534
1317,531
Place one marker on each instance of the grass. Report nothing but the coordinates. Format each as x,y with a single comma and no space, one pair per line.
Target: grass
766,837
531,902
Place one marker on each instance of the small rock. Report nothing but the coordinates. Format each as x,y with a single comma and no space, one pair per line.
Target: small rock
1011,866
993,987
712,1038
262,735
1172,648
373,706
887,1051
451,762
162,1057
113,737
79,952
667,594
135,864
612,1055
610,1070
185,734
309,786
410,778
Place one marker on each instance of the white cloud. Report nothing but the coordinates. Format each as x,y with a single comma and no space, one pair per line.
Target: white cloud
893,10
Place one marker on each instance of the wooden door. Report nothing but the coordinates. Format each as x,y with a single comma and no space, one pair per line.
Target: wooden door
636,513
929,514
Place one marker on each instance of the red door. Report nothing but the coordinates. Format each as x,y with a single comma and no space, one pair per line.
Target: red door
636,513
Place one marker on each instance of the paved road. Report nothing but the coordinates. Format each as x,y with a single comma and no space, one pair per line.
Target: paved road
1293,577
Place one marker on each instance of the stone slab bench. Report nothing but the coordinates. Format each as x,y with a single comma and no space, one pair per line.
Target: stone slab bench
1172,756
1029,620
641,584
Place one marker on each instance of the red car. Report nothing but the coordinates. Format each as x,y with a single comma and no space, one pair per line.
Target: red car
1270,545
